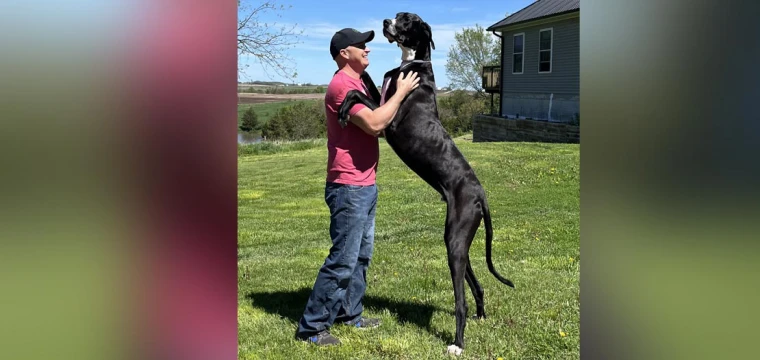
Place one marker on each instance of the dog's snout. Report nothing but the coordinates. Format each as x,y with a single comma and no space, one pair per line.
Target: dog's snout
386,22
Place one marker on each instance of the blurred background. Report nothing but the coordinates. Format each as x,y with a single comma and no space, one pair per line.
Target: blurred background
118,220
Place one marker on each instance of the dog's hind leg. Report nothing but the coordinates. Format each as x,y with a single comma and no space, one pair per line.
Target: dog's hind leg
477,291
461,226
457,265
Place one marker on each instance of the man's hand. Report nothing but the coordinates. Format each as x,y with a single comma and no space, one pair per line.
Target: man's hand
374,121
406,83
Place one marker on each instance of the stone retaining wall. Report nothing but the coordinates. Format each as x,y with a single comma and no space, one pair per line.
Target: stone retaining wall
492,128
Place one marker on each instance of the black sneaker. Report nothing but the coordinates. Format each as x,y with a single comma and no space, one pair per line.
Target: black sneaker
366,323
322,338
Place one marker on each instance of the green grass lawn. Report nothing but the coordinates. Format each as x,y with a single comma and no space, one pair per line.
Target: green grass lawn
533,190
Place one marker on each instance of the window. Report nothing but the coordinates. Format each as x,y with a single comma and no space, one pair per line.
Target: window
518,44
545,39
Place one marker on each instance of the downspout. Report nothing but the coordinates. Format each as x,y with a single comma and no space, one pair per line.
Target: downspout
501,76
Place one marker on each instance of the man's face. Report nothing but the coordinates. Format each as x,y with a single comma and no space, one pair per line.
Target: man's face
357,54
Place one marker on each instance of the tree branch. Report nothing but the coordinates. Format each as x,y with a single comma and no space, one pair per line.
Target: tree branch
267,42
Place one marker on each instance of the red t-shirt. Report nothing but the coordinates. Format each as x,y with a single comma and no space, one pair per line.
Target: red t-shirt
352,154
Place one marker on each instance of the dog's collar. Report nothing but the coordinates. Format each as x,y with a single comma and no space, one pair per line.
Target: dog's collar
389,74
405,64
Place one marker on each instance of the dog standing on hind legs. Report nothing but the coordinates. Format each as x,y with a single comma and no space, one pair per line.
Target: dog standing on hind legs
419,139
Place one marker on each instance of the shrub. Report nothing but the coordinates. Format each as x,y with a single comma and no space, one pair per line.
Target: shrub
302,120
457,110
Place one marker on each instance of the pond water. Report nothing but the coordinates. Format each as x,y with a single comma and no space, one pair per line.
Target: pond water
244,138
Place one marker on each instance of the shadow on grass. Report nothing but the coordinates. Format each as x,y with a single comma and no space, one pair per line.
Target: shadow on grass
290,304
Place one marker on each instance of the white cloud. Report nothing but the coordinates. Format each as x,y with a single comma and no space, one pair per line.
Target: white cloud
327,30
319,30
443,34
323,45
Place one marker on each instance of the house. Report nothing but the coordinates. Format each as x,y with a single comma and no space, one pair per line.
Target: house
540,62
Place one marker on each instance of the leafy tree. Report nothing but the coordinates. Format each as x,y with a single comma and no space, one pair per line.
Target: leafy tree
276,128
250,121
473,48
266,42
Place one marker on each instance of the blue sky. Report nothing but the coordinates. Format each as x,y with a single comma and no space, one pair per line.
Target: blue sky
319,20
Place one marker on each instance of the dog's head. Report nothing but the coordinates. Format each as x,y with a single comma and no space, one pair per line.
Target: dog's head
411,33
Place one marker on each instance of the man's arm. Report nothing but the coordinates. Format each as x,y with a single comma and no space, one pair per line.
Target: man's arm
374,121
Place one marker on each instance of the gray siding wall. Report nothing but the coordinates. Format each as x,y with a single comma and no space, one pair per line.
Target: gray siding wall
528,94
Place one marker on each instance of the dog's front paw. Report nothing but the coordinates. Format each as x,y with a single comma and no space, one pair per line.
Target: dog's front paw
343,121
454,350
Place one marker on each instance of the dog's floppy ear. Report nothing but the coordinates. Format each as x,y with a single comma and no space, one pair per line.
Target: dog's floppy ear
428,33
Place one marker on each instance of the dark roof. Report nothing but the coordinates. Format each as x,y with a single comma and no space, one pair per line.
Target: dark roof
537,10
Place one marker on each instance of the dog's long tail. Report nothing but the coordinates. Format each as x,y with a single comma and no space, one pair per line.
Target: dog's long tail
489,240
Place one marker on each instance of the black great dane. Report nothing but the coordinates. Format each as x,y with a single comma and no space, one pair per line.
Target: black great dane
419,139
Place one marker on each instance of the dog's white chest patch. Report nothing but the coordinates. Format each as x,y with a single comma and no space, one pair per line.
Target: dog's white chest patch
407,54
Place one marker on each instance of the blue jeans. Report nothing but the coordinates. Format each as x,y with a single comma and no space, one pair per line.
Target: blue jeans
342,279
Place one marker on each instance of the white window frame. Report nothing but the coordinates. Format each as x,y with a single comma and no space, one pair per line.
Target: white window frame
551,50
522,67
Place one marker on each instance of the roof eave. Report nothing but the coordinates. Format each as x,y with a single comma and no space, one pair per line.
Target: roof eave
497,27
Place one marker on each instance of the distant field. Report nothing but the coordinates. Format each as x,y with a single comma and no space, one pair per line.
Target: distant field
256,98
247,87
266,105
253,98
279,89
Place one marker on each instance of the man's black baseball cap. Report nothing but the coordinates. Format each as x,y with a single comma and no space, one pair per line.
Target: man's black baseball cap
347,37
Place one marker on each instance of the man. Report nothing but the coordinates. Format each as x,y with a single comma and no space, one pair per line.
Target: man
350,193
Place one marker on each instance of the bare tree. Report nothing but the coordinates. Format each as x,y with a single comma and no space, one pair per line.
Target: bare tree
473,48
267,42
